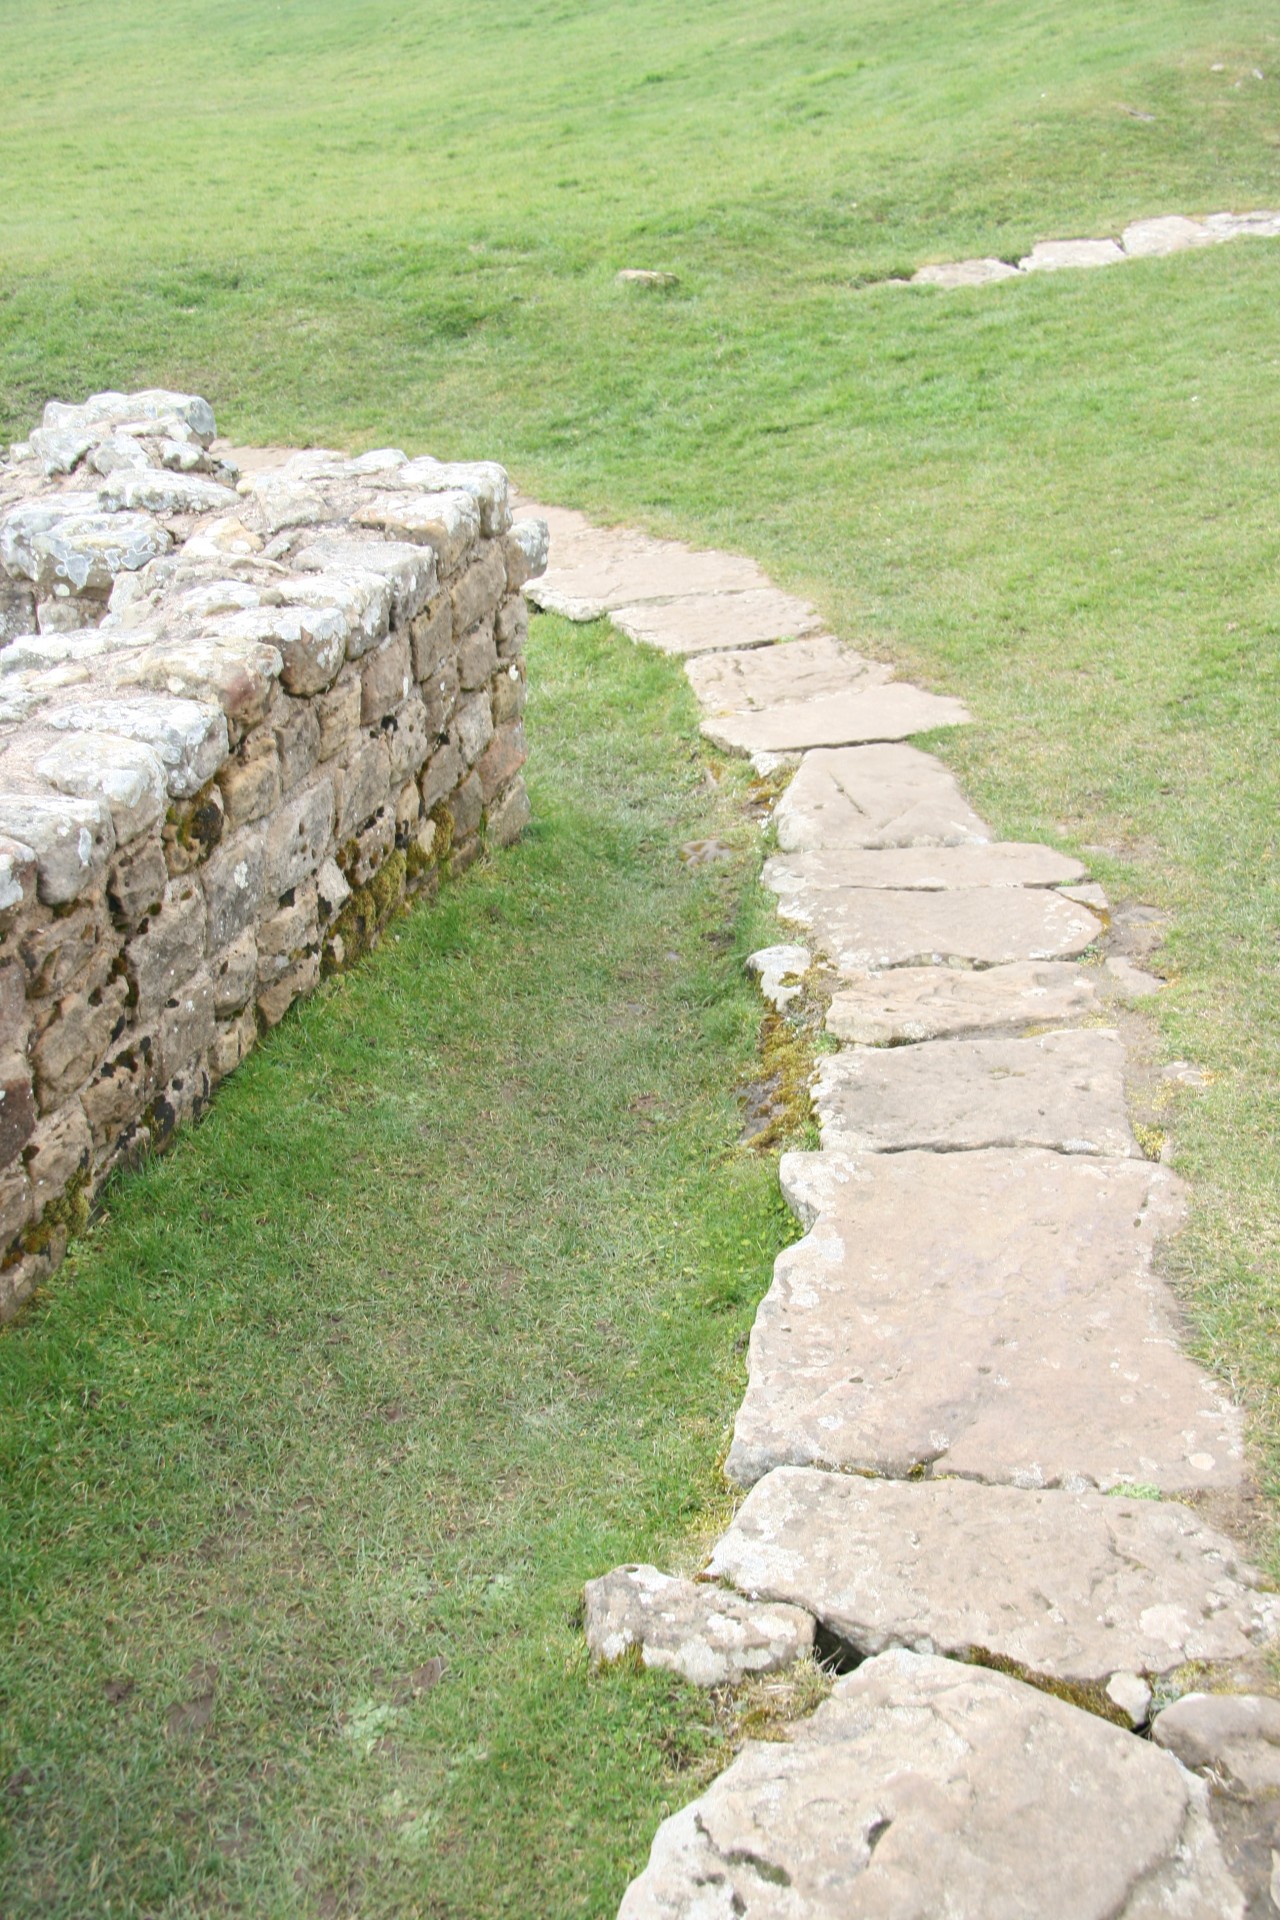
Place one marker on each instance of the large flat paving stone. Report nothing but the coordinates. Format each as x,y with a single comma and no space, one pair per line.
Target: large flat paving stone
752,679
995,863
951,274
1076,1587
878,796
927,1790
863,930
890,712
1234,1736
710,1638
934,1003
1050,256
994,1315
702,623
594,569
1059,1090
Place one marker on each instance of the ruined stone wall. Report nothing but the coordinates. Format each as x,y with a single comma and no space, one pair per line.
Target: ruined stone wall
241,719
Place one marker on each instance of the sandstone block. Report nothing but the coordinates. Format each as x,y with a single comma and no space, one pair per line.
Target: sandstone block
332,891
366,853
888,712
298,837
477,657
1170,233
879,796
337,714
17,1113
170,947
72,840
185,1027
15,1019
763,677
125,774
385,680
232,1042
964,273
67,542
708,1637
409,739
697,623
994,1315
472,728
152,404
18,880
235,877
15,1209
60,954
484,480
234,972
1058,1090
240,676
501,760
466,806
440,698
70,1048
447,522
477,592
443,772
250,781
362,596
1050,256
923,1787
508,694
119,1092
149,490
511,628
1075,1587
188,738
192,829
410,571
136,882
431,635
525,550
275,1000
510,815
363,782
58,1150
596,570
934,1003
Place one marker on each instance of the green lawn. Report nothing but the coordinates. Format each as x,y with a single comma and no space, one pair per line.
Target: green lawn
356,222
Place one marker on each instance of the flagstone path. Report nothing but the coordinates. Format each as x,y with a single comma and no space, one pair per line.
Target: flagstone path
1141,240
963,1373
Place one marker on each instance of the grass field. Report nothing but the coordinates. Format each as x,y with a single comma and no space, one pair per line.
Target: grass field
356,221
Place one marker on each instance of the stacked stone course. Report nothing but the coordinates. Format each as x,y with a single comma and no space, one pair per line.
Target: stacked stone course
241,719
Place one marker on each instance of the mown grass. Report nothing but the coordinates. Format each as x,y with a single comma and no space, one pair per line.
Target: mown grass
438,1314
372,222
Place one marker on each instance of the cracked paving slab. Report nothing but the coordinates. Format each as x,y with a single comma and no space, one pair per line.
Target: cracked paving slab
866,929
753,680
1069,1587
597,569
937,1003
707,623
924,1788
877,796
997,863
994,1314
889,712
1059,1090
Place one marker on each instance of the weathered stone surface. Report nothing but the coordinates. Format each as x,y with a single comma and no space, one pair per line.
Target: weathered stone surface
484,480
170,948
410,571
999,863
964,273
597,569
994,1315
478,592
1170,233
935,1003
706,623
880,796
116,409
68,543
758,678
526,549
189,738
925,1788
889,712
779,972
298,836
103,766
1077,1587
863,929
385,680
234,882
148,490
1059,1090
1259,225
1130,982
710,1638
1234,1737
448,522
72,839
1049,256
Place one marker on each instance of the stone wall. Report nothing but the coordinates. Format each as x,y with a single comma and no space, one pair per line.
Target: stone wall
241,719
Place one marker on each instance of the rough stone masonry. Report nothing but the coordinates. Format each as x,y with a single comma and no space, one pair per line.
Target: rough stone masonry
241,718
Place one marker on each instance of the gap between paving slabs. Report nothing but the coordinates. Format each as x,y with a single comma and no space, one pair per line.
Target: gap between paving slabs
968,1420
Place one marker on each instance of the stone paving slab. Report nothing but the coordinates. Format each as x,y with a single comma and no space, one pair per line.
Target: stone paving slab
937,1003
1050,256
863,930
761,677
1168,233
964,273
596,569
879,796
1064,1091
708,1637
702,623
1076,1587
926,1790
997,863
1233,1737
993,1315
889,712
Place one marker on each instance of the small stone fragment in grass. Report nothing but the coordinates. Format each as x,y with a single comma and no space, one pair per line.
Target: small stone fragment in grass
646,277
709,1637
705,853
780,973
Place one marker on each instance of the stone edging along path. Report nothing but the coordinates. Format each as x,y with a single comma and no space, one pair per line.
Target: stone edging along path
1141,239
970,1441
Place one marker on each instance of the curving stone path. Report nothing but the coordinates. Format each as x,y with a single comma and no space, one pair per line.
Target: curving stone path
966,1368
1141,240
